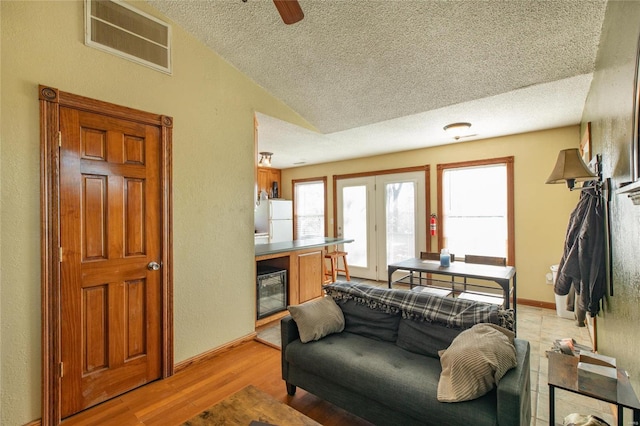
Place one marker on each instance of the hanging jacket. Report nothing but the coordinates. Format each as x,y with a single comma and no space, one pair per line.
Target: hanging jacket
583,260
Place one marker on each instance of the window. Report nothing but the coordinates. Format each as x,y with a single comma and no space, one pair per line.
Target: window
309,207
476,208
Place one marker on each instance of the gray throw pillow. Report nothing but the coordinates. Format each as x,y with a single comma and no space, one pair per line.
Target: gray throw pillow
317,318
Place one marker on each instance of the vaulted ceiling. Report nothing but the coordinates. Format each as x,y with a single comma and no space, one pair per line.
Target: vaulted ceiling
377,76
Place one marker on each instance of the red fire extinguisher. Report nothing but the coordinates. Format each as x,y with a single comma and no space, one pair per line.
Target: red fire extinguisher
433,224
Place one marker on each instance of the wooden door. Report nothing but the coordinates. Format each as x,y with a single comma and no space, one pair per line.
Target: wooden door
111,330
110,204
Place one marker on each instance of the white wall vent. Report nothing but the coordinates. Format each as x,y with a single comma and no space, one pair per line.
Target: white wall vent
120,29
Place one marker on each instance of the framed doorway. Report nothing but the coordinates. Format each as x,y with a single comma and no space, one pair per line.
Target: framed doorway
106,241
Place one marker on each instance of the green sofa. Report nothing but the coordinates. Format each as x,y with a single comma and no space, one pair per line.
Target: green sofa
384,365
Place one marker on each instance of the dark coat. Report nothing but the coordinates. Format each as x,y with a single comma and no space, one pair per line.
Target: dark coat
583,261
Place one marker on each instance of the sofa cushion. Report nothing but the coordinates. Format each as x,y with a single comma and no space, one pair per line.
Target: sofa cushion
475,362
317,318
401,380
423,337
365,321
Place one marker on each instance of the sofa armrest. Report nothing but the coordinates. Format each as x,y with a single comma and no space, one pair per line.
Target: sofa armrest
514,389
288,333
288,330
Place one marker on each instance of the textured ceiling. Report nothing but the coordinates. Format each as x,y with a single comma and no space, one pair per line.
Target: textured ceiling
381,76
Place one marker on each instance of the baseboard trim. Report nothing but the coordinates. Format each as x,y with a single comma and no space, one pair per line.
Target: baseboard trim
213,352
537,304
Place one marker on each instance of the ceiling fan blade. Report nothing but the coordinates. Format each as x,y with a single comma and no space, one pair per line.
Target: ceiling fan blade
289,10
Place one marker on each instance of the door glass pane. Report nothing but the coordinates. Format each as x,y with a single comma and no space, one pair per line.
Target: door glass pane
354,201
400,217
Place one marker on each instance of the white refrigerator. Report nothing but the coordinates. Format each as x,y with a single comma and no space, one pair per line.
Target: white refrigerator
276,218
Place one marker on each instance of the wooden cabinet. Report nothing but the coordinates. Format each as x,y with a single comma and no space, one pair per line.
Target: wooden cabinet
266,177
310,275
304,275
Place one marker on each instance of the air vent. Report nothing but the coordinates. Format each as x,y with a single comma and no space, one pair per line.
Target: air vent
120,29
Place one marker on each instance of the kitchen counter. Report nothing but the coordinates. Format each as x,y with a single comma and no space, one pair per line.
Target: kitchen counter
304,263
288,246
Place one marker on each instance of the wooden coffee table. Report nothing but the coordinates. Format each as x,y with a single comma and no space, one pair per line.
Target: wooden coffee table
247,406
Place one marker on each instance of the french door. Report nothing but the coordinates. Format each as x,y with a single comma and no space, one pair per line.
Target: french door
385,215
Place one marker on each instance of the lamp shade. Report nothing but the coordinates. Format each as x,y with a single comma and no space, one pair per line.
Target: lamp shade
570,168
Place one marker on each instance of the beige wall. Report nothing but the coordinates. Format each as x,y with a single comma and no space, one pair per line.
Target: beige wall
212,105
609,108
541,211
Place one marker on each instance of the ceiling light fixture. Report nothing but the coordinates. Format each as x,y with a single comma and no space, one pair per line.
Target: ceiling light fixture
265,159
457,130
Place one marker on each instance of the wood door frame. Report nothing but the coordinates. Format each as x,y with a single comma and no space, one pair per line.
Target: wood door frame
508,163
51,99
323,180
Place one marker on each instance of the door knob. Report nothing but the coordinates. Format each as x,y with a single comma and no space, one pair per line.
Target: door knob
153,266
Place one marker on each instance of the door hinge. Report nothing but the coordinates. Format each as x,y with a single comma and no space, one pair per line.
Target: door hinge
61,369
59,138
60,254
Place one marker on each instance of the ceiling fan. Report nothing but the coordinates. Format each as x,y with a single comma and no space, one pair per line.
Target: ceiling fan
289,10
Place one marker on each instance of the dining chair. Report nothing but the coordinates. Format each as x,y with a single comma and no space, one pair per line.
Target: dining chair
428,284
483,260
428,255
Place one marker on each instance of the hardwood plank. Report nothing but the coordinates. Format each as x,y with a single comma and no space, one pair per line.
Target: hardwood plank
202,384
112,412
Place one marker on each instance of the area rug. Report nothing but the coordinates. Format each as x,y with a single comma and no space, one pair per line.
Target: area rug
250,406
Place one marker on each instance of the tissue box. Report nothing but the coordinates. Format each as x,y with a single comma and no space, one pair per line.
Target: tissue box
599,380
597,359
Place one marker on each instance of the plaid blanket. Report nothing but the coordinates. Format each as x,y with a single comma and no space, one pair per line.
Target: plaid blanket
451,312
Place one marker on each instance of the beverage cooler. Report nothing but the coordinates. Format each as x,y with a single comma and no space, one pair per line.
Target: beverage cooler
272,291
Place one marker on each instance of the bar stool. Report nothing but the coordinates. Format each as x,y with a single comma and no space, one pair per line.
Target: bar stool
334,256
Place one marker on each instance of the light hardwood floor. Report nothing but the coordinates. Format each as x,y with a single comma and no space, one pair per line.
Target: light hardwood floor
174,400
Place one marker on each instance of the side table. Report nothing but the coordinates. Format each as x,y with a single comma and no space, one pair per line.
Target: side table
563,374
